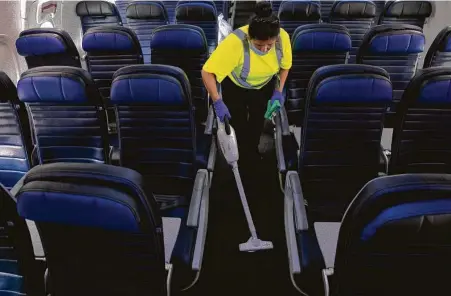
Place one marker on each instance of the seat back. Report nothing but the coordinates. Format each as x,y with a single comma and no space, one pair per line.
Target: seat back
122,9
357,16
222,6
340,140
326,7
170,8
108,49
395,233
156,127
380,5
439,53
15,146
188,53
202,14
313,46
47,47
293,14
396,48
101,232
406,12
97,13
67,115
421,140
143,18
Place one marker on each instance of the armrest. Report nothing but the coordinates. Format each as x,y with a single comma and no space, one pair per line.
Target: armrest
115,156
284,122
306,261
209,124
281,164
293,186
198,217
212,155
196,198
34,156
17,187
385,154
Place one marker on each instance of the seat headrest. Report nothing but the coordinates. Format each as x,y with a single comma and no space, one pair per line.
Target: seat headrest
42,41
109,197
159,70
208,2
353,9
363,84
57,84
389,199
8,90
183,37
95,8
196,11
321,38
111,38
393,39
151,10
429,86
408,9
152,84
300,11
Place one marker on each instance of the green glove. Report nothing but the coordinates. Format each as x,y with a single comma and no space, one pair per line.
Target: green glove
271,109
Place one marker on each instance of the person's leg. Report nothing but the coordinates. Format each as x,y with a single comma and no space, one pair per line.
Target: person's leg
257,105
234,97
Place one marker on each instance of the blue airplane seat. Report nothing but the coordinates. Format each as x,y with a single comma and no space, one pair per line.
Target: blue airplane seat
67,115
392,239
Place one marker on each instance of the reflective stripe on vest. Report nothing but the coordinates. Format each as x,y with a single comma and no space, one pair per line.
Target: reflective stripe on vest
242,79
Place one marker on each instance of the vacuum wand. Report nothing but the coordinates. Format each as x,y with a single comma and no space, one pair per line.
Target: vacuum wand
247,211
229,147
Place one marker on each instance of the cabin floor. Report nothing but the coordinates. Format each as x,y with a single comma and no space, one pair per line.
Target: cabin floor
226,270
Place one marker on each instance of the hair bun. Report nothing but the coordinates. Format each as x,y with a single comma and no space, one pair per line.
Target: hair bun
263,9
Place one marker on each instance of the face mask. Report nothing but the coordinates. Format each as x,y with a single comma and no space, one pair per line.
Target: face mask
257,51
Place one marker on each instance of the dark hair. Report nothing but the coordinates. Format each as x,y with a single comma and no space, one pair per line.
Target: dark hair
264,24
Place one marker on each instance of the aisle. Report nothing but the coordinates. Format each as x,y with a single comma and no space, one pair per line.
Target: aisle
226,270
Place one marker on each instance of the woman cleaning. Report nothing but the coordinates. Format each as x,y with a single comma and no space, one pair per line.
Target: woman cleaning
252,65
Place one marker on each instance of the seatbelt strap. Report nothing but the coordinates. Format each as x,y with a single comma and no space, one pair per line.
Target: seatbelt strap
242,79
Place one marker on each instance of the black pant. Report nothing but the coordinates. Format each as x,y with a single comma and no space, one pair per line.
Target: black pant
247,108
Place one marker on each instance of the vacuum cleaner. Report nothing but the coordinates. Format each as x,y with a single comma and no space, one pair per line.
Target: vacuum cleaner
229,147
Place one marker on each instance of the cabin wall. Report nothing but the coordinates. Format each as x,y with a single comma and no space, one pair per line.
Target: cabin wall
10,27
439,19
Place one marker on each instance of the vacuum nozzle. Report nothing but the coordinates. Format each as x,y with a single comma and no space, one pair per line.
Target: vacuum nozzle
255,244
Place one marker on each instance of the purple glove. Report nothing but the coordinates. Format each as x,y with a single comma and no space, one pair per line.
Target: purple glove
221,110
277,96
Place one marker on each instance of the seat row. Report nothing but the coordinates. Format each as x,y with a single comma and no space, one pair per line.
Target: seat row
394,232
357,16
144,17
66,122
57,115
344,115
396,48
111,48
344,223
